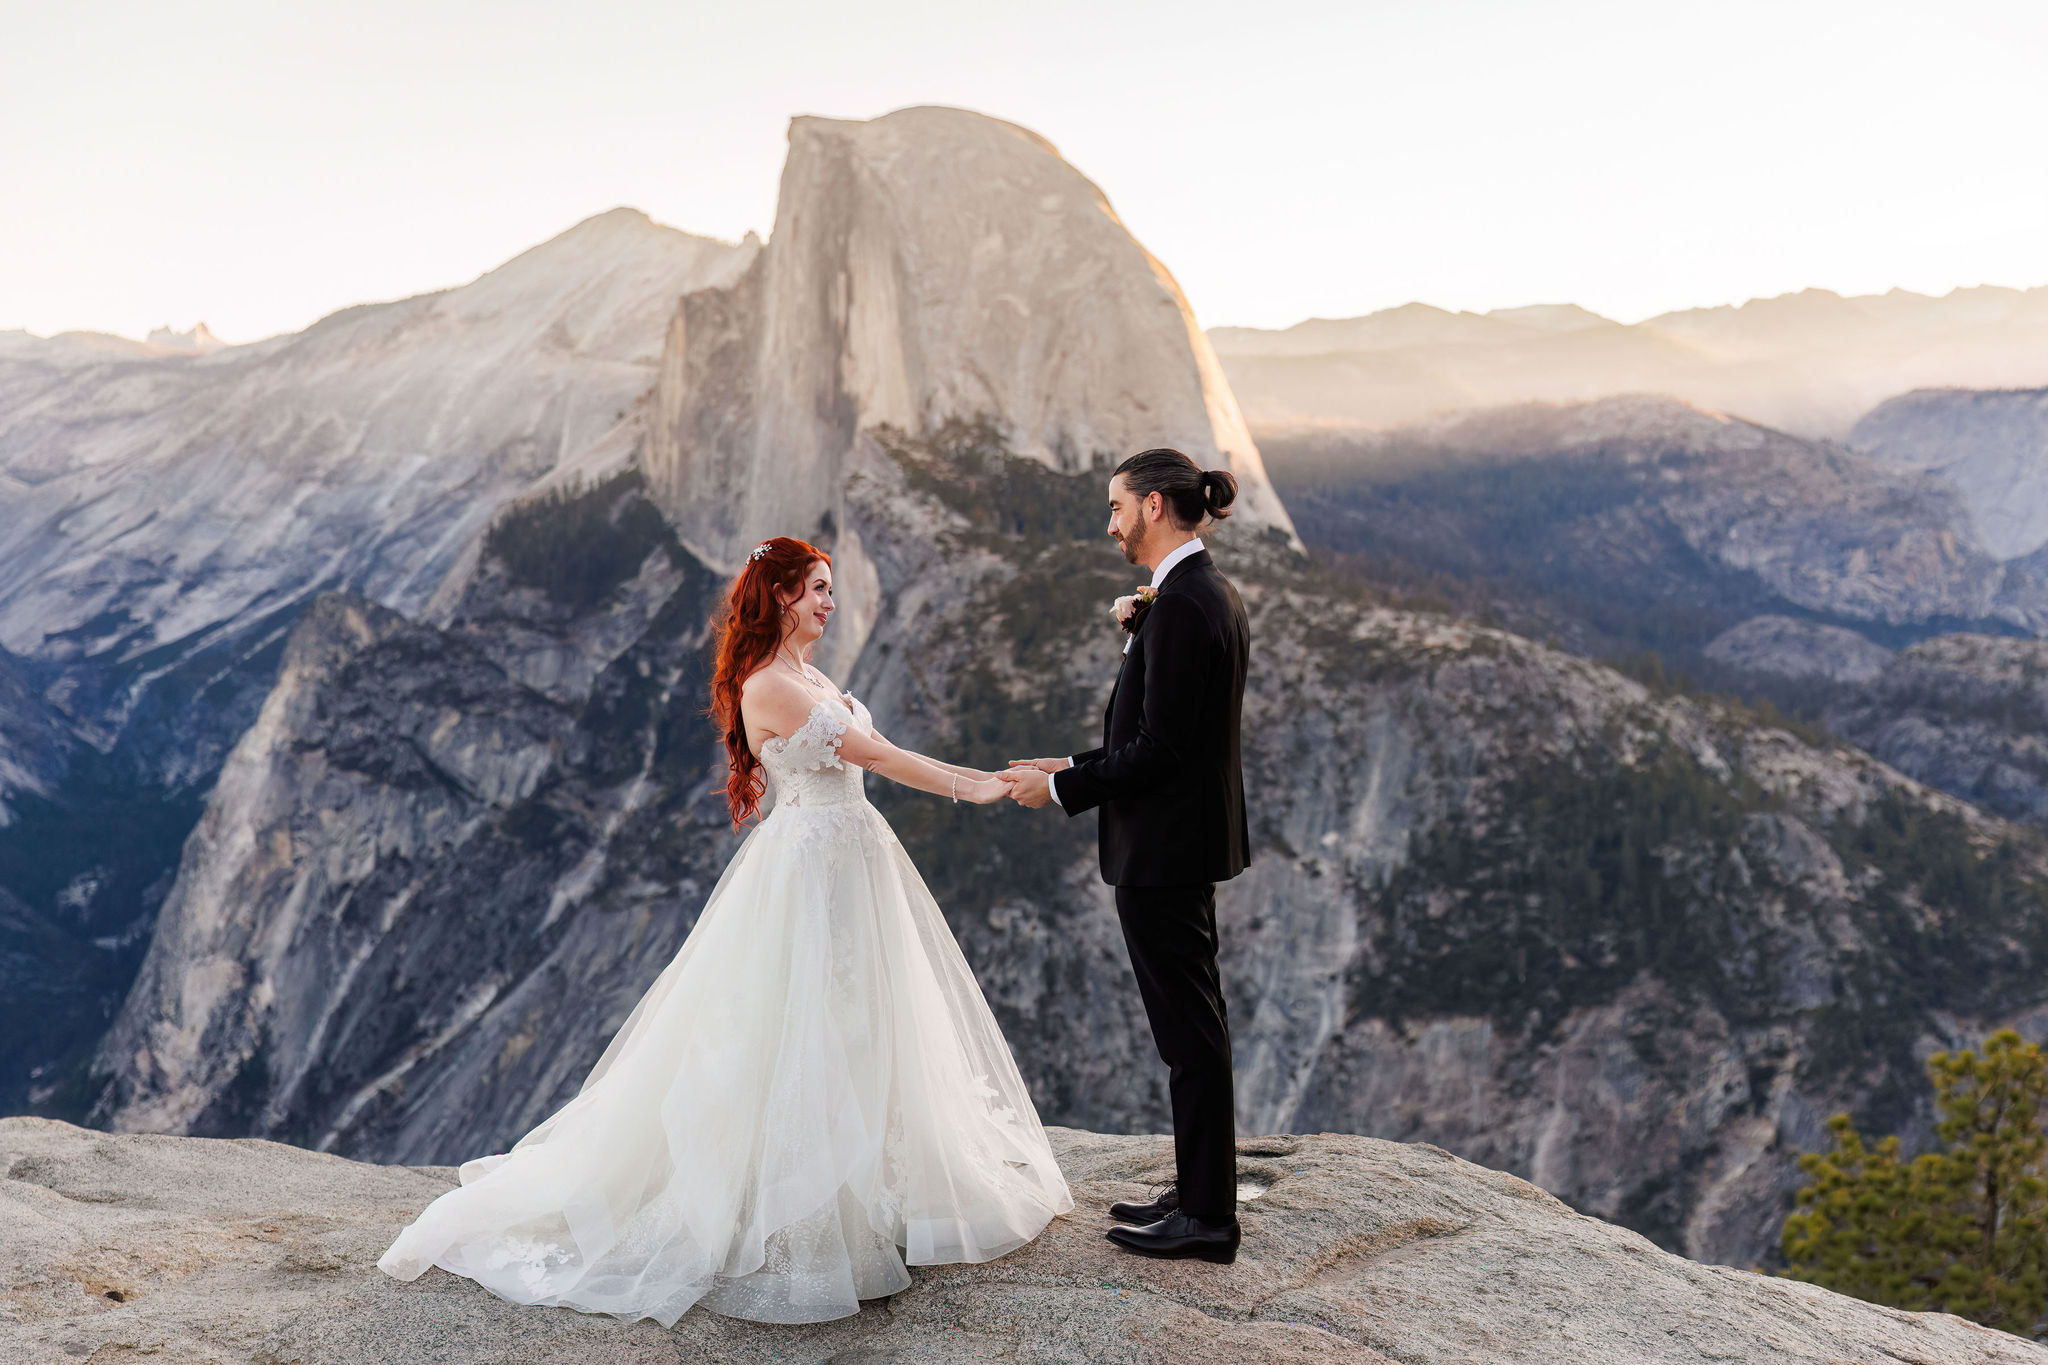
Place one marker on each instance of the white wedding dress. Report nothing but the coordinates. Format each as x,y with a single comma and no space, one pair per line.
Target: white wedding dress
812,1094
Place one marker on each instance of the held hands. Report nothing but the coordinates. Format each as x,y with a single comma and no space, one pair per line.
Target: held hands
984,791
1029,786
1024,782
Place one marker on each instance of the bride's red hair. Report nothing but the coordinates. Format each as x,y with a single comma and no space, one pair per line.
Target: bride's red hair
748,630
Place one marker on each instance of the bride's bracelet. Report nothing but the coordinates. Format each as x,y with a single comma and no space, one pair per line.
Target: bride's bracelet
956,789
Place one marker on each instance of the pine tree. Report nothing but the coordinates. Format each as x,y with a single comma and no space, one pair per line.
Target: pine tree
1964,1229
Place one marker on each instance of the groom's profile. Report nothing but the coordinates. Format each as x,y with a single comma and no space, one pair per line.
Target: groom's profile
1170,791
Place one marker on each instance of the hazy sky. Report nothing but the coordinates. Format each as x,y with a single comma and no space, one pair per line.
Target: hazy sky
259,165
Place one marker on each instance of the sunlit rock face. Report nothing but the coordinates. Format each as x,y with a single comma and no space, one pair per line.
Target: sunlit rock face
931,265
157,499
1991,444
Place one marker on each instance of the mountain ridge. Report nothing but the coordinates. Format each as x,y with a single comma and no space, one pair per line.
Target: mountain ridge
1810,362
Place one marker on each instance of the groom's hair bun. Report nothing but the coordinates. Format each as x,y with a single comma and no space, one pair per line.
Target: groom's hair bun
1193,494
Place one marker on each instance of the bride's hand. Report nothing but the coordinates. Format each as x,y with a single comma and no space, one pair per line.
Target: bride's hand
985,791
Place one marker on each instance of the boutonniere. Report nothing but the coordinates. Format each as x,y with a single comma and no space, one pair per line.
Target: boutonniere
1130,611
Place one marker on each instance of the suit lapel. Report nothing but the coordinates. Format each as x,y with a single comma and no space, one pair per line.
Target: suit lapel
1122,667
1173,576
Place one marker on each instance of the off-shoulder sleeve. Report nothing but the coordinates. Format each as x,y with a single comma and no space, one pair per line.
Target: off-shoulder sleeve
816,742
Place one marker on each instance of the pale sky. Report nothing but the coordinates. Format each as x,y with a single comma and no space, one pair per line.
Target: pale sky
259,165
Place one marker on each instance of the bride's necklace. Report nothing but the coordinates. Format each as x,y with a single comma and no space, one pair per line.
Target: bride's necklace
804,671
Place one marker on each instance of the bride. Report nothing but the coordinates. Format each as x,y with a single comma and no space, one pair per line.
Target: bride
813,1093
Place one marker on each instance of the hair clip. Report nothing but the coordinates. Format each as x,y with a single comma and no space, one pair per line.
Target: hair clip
759,550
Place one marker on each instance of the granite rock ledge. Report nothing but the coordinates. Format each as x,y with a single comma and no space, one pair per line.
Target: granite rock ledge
195,1249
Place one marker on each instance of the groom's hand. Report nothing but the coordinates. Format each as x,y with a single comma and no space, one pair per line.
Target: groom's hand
1044,765
1029,786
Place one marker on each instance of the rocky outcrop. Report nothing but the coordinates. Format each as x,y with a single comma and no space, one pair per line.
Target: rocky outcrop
1991,444
929,266
35,745
1354,1250
1965,713
1792,648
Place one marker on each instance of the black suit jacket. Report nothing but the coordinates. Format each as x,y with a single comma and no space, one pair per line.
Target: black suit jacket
1168,778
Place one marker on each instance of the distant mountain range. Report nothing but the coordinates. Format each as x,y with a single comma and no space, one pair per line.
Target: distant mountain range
1810,363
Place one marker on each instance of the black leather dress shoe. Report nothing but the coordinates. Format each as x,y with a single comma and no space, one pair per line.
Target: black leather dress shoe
1179,1236
1150,1212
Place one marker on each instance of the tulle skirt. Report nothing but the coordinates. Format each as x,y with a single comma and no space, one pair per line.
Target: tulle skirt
811,1095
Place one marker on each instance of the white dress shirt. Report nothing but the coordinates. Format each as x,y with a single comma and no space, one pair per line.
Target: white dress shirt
1165,567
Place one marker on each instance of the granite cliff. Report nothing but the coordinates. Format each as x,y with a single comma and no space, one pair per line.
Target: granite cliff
1988,443
167,511
891,294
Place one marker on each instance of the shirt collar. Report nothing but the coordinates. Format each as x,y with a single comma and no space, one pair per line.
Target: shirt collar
1166,565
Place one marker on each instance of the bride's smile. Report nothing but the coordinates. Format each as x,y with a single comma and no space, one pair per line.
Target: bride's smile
809,610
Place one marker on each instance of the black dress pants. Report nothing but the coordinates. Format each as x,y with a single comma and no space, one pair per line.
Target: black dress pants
1171,934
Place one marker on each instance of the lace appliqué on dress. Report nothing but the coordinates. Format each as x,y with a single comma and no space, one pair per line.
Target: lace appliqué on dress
819,803
815,745
531,1257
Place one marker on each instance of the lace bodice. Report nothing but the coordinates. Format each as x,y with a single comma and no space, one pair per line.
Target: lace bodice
805,768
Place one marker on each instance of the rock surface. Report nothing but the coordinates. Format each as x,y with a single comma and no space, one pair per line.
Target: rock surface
1354,1250
931,265
420,860
1991,444
1642,524
1965,713
147,499
1799,649
169,508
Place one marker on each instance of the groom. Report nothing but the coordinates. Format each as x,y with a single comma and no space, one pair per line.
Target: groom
1171,795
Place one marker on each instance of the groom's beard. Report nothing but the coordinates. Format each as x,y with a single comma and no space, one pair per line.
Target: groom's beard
1134,543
